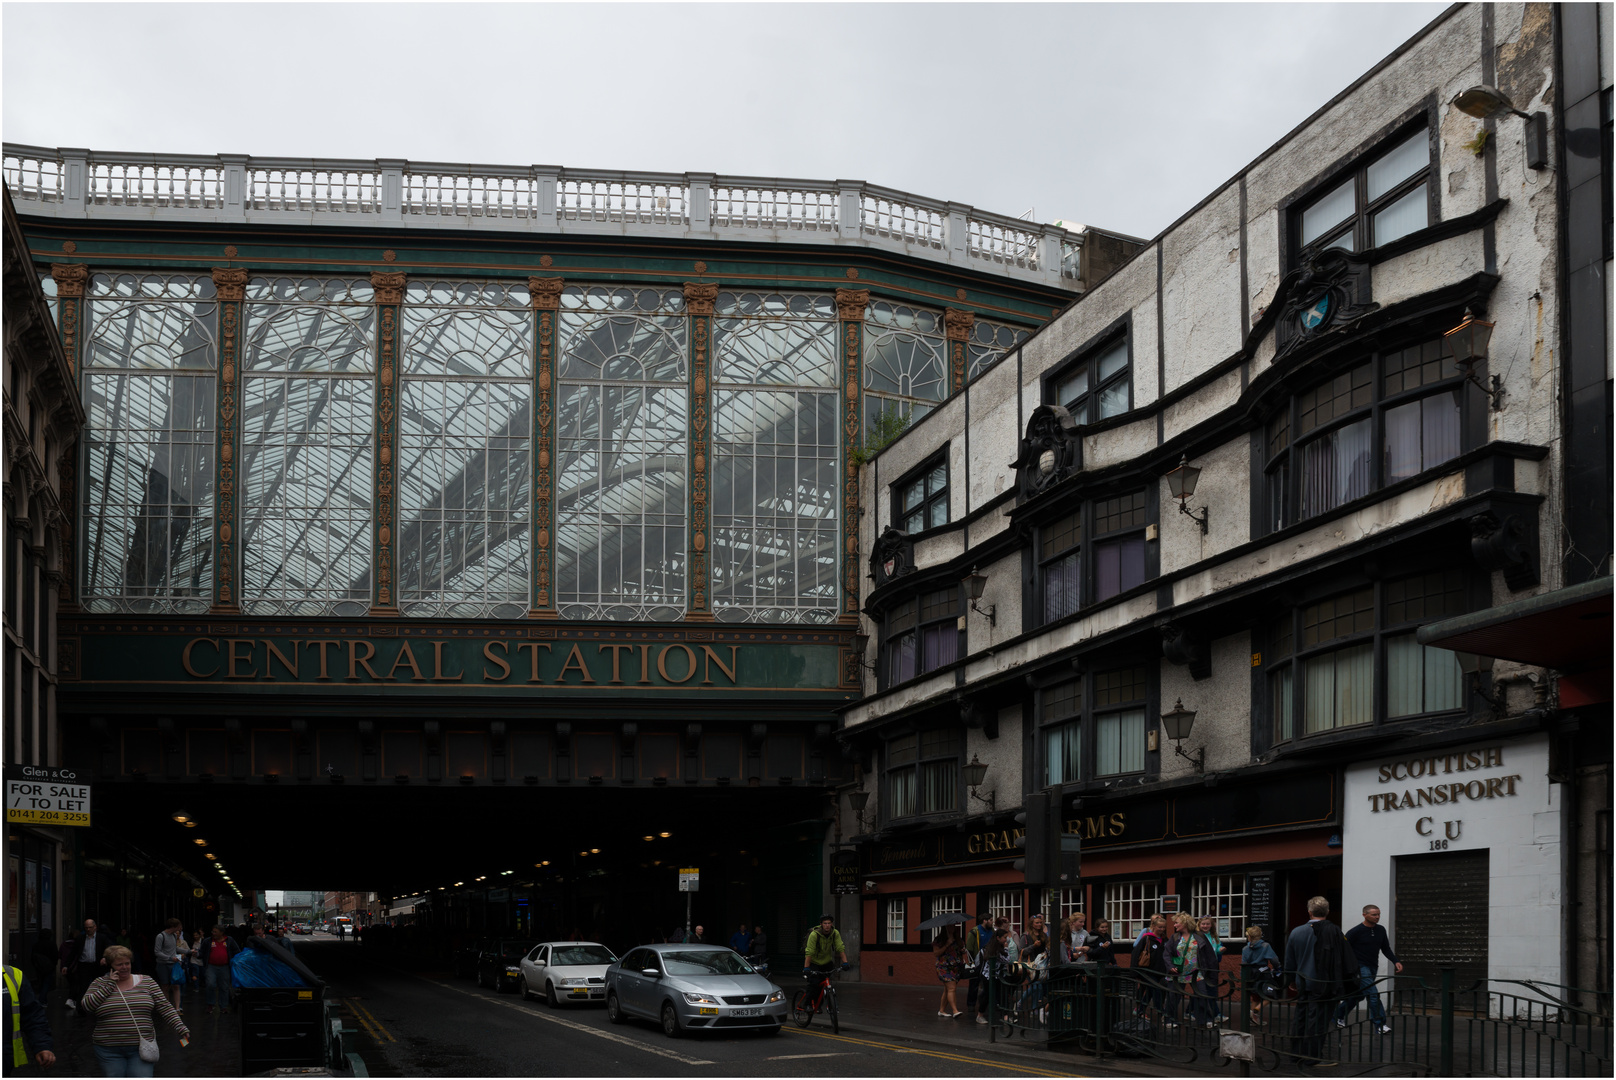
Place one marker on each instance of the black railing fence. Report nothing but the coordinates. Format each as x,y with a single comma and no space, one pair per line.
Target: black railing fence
1244,1020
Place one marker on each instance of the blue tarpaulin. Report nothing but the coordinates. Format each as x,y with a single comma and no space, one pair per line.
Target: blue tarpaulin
257,965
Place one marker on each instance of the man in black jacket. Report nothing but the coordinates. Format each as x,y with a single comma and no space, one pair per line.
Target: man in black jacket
1317,964
85,960
1368,942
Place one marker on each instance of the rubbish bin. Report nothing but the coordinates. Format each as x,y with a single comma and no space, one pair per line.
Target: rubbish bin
283,1010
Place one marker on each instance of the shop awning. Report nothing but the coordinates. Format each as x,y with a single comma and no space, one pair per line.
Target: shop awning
1568,629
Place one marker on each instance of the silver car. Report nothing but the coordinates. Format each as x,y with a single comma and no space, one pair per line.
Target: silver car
565,971
693,988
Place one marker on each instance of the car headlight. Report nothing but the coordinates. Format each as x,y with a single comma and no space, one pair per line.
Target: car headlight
778,995
574,982
701,999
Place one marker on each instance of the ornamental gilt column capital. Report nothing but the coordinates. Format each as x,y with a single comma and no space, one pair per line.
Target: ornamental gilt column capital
700,297
958,324
544,293
850,304
70,279
230,282
389,286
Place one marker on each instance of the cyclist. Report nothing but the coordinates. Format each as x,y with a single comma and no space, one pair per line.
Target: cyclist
824,949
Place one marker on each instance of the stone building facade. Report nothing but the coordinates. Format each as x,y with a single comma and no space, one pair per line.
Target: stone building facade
1362,469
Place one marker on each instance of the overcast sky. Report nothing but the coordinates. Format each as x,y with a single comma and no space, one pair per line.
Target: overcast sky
1117,115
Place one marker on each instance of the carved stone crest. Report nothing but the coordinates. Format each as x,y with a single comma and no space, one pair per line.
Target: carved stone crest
1505,544
1050,450
1329,290
892,556
1179,647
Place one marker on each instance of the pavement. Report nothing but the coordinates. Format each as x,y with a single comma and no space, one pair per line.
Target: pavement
910,1013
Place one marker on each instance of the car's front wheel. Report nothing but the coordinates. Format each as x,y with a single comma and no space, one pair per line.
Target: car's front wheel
521,986
614,1011
670,1021
550,995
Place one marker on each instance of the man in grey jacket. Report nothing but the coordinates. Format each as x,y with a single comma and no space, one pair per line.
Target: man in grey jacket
1316,967
169,949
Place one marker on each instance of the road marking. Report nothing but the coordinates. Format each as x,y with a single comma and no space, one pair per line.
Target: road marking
354,1004
610,1036
362,1021
800,1057
985,1062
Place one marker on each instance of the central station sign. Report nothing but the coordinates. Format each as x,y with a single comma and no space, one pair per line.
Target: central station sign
482,659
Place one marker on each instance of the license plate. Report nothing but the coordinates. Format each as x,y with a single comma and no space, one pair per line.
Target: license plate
746,1012
579,992
708,1012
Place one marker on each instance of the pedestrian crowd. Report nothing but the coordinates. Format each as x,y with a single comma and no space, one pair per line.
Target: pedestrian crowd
106,987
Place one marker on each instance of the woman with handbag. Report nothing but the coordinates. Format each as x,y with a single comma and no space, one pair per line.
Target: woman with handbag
126,1007
947,950
1261,965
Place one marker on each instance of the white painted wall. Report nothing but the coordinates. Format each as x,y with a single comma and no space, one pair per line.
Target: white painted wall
1520,831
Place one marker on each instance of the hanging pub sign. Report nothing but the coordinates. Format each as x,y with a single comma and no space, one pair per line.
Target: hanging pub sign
844,873
39,796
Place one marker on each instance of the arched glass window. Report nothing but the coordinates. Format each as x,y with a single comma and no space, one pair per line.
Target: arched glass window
623,442
149,373
905,361
465,428
775,439
308,393
989,341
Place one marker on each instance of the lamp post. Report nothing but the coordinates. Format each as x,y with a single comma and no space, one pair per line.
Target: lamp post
1181,483
1178,723
1468,342
1489,102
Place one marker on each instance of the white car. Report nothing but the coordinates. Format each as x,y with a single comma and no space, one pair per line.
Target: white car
566,971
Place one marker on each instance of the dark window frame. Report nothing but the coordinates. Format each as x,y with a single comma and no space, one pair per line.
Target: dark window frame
1087,361
1287,650
911,618
921,474
1355,169
947,758
1283,439
1093,701
1076,539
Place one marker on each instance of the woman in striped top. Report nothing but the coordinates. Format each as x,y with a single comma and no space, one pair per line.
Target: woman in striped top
125,1007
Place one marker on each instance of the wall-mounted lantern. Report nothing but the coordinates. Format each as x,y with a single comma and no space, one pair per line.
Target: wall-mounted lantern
1181,485
1178,723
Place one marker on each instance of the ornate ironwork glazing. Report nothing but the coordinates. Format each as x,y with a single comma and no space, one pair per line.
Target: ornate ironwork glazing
989,341
148,486
621,517
307,454
776,434
465,431
905,361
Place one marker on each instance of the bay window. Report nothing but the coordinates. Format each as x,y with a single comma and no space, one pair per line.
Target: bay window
1386,419
1116,557
922,634
1094,727
923,773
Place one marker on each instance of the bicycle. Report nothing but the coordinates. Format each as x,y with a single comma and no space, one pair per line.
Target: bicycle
812,999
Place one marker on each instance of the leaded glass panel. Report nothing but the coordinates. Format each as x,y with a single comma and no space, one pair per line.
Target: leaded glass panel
905,361
622,439
989,341
775,439
307,454
148,489
465,428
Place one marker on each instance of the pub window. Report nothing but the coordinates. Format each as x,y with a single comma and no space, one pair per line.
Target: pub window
922,634
923,773
1221,898
1097,385
920,501
1385,197
1129,906
1322,447
1322,657
1006,904
1067,901
942,904
897,909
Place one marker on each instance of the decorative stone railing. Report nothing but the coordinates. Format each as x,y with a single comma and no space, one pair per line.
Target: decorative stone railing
68,183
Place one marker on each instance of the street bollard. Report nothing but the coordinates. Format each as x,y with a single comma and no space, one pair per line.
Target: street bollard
993,1016
1445,1063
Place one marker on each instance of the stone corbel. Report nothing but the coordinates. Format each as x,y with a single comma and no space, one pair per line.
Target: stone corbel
1506,543
1050,450
979,718
1180,648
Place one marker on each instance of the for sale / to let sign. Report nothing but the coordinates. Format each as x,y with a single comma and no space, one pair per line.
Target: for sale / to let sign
37,796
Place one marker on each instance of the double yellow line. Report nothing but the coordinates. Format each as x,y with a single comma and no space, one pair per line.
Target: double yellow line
369,1022
983,1062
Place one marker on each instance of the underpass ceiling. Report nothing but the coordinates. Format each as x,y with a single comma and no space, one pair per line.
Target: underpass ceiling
397,839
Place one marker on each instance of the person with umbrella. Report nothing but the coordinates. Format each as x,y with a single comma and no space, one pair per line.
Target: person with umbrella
948,951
